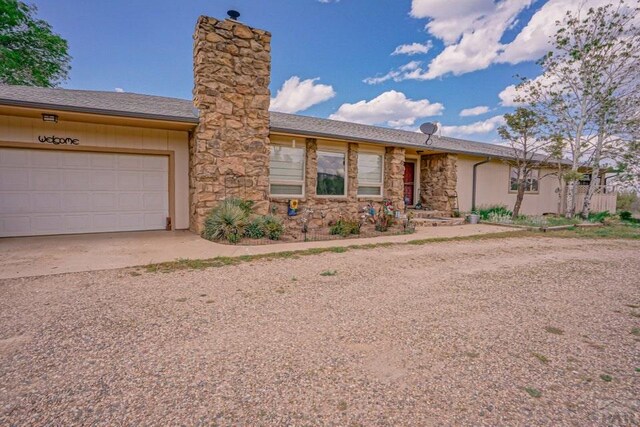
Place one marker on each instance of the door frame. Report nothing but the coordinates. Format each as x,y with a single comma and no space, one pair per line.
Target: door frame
416,176
117,150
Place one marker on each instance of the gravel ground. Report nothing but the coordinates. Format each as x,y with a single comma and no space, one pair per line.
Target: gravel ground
457,333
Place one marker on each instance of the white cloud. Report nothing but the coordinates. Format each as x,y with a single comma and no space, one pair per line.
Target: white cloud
507,96
475,111
413,48
533,41
480,127
389,108
119,90
448,21
472,31
395,75
296,95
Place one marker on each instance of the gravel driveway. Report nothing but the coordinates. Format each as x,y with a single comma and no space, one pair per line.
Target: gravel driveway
506,331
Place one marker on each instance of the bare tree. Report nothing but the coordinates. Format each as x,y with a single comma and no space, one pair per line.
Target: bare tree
521,133
588,92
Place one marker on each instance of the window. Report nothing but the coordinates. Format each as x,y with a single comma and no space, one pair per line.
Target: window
530,183
369,174
331,174
286,171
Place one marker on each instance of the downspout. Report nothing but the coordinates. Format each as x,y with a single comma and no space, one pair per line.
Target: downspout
475,180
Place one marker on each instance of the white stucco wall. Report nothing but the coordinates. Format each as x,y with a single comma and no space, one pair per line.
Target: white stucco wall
493,187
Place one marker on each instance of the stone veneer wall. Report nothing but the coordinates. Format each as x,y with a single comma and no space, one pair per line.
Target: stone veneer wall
394,176
438,179
229,151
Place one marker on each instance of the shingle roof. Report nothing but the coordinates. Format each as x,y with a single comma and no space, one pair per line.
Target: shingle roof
99,102
174,109
312,126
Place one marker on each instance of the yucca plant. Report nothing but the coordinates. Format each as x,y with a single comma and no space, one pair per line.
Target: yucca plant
225,221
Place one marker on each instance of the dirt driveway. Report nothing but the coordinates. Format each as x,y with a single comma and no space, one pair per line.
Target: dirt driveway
505,331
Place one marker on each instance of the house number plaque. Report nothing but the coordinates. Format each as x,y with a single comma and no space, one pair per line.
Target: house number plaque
56,140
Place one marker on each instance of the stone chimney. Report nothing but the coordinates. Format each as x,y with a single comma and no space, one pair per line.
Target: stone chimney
229,151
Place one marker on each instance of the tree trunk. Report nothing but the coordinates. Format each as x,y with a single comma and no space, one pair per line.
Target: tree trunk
519,197
561,191
571,199
593,186
595,177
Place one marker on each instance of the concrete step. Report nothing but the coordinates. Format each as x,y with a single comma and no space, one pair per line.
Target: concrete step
430,214
437,222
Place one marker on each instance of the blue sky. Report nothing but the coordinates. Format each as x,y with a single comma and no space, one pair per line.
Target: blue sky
468,52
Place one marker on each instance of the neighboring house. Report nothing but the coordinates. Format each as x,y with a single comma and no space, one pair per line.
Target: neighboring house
85,161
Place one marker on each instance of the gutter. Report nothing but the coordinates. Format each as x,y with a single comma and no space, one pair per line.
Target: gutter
475,174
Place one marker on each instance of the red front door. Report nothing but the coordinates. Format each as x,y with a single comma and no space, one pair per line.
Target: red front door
409,182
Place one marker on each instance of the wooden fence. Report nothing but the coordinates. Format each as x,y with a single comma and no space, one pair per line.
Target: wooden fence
604,199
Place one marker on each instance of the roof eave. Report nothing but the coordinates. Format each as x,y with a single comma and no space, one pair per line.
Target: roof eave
97,111
276,129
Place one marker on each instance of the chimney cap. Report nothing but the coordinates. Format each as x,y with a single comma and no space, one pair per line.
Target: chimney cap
233,14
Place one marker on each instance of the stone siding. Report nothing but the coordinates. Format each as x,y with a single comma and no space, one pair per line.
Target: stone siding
394,176
229,150
438,180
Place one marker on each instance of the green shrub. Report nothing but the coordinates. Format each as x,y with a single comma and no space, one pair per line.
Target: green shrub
273,227
598,216
255,229
625,215
245,205
345,227
225,221
496,210
628,201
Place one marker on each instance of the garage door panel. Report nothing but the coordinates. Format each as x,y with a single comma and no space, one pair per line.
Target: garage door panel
14,158
104,161
153,163
77,161
157,221
154,201
61,192
78,223
46,223
76,201
14,179
103,201
46,202
131,181
15,225
132,202
106,222
132,221
45,179
45,158
103,180
129,163
15,203
76,179
153,181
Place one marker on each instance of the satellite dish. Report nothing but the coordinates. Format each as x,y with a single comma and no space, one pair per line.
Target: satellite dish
233,14
429,128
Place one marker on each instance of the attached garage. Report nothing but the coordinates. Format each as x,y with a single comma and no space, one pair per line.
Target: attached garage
75,161
47,191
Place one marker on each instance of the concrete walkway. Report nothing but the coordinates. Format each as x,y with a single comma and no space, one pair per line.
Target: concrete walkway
37,256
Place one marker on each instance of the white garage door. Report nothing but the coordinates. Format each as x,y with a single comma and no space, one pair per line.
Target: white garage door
63,192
